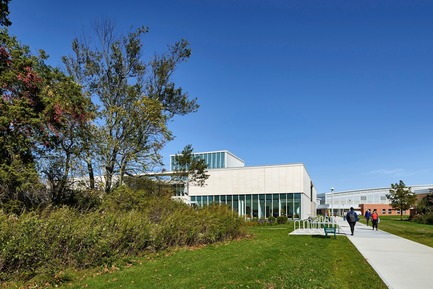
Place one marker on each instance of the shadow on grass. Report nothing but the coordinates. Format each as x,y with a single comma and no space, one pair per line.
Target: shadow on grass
322,237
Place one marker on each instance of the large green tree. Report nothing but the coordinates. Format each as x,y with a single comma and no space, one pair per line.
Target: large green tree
135,98
67,111
401,197
39,106
425,205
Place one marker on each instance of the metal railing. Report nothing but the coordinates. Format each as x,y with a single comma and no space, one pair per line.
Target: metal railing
315,226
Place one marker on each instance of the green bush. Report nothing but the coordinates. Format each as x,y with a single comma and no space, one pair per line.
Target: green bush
58,239
423,218
85,200
21,248
272,220
282,219
189,226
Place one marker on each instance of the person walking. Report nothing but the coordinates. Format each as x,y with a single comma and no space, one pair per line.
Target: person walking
367,216
352,218
375,219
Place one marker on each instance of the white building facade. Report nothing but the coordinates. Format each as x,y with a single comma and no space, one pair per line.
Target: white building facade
255,192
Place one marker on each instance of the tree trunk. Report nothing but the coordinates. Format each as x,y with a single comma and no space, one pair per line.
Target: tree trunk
122,170
91,174
108,179
109,172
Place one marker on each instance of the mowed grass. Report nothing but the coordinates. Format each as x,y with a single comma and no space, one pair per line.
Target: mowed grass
420,233
269,259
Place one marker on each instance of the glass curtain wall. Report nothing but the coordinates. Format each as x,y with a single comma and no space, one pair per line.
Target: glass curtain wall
276,205
214,160
257,206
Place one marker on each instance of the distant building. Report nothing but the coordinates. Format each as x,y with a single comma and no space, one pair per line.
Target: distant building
253,192
362,200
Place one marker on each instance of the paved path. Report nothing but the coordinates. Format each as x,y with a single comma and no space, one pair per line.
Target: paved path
401,263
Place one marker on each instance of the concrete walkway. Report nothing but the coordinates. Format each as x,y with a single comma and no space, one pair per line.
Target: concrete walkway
401,263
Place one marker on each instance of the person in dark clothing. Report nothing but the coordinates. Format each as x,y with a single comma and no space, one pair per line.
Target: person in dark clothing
367,216
352,218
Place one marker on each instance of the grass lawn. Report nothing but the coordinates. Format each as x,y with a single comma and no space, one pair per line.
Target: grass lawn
269,259
410,230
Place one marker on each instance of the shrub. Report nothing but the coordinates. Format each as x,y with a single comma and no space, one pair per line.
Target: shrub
124,199
282,219
189,226
423,218
272,220
85,200
61,239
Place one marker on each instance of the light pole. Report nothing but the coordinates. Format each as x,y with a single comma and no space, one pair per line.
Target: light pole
332,206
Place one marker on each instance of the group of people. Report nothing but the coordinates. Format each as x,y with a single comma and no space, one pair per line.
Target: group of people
352,218
374,218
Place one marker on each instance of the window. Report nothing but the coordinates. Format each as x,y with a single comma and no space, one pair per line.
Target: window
389,211
223,199
213,162
283,200
219,160
255,206
268,205
275,205
248,207
297,205
383,211
229,200
235,205
261,206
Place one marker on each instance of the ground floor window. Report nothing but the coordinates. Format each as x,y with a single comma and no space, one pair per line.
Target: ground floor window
257,205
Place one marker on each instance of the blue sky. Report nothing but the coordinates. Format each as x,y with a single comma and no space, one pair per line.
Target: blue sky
344,87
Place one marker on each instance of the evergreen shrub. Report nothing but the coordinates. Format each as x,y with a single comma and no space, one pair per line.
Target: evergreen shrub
423,218
282,219
272,220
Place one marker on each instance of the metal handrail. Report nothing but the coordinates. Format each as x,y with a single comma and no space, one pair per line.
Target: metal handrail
315,225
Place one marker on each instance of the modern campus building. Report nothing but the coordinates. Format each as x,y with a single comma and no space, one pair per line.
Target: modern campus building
253,192
361,200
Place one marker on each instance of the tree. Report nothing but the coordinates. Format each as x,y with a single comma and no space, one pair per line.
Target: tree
39,106
67,111
4,13
425,205
189,169
136,98
20,106
401,197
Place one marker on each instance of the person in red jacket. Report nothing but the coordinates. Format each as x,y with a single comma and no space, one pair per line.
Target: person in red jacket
375,219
